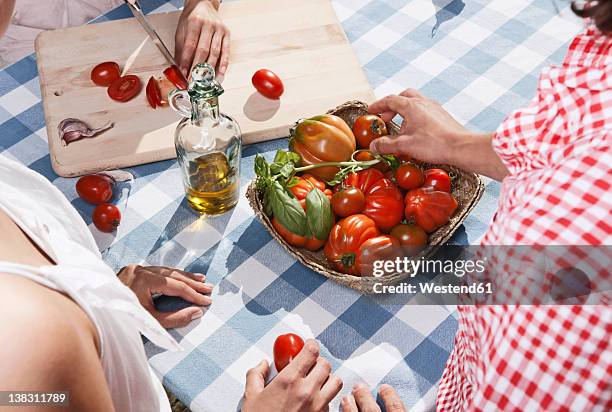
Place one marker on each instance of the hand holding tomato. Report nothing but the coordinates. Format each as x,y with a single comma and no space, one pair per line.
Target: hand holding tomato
201,36
305,385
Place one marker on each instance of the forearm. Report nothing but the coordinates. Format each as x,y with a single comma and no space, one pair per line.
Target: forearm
474,152
6,13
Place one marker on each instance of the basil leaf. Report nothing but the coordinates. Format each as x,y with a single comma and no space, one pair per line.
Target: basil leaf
319,214
262,168
287,210
287,171
267,202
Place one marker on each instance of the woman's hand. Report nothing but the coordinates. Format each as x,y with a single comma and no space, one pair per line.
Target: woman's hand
152,280
430,134
202,37
305,385
361,400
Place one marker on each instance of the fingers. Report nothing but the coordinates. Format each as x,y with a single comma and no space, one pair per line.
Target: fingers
195,281
390,145
203,49
186,47
305,360
392,401
349,404
173,287
215,47
413,93
365,400
225,54
392,104
256,379
330,389
319,374
178,318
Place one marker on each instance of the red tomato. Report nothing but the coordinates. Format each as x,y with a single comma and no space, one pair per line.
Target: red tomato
380,248
409,176
368,128
95,189
430,209
412,238
286,348
345,239
438,179
349,201
366,156
153,93
105,73
384,202
268,84
106,217
305,184
308,243
125,88
174,74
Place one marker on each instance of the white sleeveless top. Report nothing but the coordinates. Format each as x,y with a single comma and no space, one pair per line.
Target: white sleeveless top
47,217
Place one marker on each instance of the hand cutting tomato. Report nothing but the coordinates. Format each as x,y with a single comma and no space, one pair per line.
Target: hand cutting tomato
286,348
268,84
384,202
105,73
368,128
409,176
438,179
125,88
430,209
349,201
95,189
412,238
106,217
343,246
305,184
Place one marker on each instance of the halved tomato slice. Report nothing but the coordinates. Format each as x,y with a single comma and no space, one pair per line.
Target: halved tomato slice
153,93
125,88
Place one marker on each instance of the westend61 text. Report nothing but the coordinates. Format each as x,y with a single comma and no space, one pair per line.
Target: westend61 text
433,288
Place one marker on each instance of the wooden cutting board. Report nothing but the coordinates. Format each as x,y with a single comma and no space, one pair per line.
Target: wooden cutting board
302,41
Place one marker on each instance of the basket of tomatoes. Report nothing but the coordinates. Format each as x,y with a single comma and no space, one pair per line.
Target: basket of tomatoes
338,208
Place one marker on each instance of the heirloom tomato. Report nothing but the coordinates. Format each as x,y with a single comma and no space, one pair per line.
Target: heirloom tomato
305,184
325,138
309,243
429,208
384,202
438,179
366,156
345,239
286,348
409,176
349,201
380,248
368,128
412,238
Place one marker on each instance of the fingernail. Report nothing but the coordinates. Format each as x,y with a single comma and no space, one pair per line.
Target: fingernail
357,386
200,275
197,314
206,301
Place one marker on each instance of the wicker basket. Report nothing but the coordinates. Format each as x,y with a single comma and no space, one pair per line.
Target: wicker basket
467,189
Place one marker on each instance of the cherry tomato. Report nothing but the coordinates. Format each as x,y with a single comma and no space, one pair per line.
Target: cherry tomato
174,74
125,88
368,128
105,73
409,176
305,184
349,201
153,93
430,209
286,348
380,248
308,243
412,238
384,201
106,217
438,179
268,84
344,241
366,156
95,189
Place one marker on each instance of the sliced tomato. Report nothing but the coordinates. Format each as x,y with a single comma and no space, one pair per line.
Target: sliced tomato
105,73
175,75
125,88
153,93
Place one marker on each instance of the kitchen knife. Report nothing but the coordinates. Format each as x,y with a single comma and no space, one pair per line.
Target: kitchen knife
139,15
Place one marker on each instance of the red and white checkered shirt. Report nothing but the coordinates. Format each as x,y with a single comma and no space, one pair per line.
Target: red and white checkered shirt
559,192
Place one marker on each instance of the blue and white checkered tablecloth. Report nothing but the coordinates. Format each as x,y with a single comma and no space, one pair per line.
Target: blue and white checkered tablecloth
480,58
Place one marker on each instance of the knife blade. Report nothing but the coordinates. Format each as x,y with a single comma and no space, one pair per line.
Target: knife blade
139,15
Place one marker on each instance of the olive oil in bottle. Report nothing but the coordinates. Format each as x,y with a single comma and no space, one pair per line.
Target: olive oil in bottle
208,145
